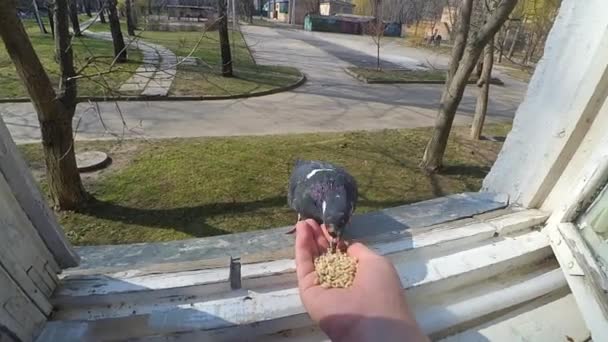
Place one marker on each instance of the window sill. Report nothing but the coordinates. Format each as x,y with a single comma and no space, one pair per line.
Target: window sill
455,273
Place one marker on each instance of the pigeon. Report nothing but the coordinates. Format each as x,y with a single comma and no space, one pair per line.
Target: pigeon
324,192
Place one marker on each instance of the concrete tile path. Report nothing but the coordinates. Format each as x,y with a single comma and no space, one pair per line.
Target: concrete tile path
155,76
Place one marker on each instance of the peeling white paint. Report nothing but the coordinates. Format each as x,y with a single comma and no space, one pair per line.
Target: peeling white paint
561,102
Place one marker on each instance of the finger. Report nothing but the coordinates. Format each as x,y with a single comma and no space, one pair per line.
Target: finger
321,237
360,251
305,249
326,234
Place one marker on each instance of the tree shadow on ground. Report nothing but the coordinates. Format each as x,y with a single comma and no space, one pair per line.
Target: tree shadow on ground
476,171
194,220
189,220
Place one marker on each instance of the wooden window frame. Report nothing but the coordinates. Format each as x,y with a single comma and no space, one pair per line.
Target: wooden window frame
586,279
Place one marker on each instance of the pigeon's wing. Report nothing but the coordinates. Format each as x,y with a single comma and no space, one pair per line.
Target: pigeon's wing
352,190
299,175
305,203
294,179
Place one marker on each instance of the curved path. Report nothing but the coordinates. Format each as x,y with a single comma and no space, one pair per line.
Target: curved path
330,101
155,76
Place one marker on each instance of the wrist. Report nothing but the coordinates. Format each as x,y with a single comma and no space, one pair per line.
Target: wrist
364,329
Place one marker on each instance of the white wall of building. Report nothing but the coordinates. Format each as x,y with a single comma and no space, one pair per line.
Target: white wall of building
565,95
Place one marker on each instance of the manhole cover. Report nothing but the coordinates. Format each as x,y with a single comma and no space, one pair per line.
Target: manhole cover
91,161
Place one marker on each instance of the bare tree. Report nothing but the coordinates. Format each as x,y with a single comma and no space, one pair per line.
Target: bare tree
451,17
224,39
462,64
102,9
87,7
38,17
120,51
484,90
515,38
74,17
50,10
55,109
375,29
502,38
130,22
246,9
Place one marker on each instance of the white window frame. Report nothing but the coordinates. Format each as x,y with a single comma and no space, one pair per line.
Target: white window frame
586,279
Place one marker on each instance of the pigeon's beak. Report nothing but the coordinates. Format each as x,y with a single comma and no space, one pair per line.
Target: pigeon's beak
332,230
335,235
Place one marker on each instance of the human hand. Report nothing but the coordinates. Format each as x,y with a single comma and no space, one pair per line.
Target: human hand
372,309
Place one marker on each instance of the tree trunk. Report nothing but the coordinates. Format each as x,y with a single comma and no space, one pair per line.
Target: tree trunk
537,42
38,18
484,90
55,110
74,17
514,40
452,94
130,23
149,7
378,56
503,38
102,9
87,7
134,14
478,68
50,10
120,51
527,48
224,40
460,41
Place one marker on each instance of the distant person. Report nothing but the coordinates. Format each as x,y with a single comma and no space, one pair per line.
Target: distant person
438,40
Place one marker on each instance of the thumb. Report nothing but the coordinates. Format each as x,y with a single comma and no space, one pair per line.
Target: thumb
360,251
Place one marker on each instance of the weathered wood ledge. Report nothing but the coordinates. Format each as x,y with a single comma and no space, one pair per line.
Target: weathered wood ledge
455,273
273,244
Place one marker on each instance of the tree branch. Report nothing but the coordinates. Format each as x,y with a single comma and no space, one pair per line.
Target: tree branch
460,41
493,23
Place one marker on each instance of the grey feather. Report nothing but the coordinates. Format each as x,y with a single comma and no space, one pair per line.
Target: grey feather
324,192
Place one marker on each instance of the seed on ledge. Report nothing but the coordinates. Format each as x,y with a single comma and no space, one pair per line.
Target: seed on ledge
335,270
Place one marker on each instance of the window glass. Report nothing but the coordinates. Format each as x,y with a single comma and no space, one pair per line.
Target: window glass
594,227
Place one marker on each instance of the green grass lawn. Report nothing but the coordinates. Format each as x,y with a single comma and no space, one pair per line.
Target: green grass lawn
84,48
172,189
205,77
407,76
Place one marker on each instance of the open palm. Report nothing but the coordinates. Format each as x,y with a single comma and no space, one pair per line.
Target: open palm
376,292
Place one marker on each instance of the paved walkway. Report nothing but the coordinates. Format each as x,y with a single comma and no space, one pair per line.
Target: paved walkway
155,76
330,101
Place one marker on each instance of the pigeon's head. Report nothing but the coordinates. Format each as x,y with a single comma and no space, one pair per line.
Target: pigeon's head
337,211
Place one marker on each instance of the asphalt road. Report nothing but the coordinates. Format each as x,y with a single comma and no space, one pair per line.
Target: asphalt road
330,100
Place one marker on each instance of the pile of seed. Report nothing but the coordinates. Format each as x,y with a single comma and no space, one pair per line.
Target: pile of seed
335,269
